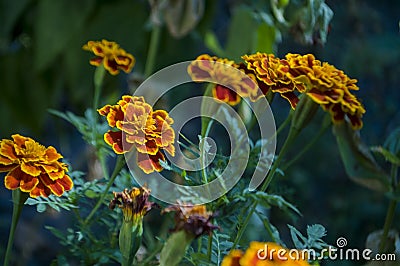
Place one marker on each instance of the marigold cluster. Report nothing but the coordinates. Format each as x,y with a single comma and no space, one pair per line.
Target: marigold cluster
136,124
263,254
194,219
110,55
291,77
33,168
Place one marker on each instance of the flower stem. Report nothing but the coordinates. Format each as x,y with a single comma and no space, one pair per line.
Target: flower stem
293,132
325,125
19,199
98,84
389,215
151,54
209,247
118,166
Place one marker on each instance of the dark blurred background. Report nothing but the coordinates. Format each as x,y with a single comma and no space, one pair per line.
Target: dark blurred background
43,66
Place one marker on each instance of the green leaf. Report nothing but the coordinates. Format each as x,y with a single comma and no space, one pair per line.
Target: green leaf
358,161
392,143
298,239
316,231
175,248
267,200
41,207
266,38
54,31
91,194
389,156
241,36
212,43
272,230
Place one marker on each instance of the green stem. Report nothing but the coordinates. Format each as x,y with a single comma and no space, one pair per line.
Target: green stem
209,247
289,140
203,153
389,216
118,166
19,199
151,54
98,83
321,132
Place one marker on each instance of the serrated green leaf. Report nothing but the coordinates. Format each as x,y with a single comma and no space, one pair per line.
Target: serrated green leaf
54,206
316,231
275,200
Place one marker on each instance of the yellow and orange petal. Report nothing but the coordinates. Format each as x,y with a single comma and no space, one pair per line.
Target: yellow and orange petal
150,163
111,56
233,258
327,86
272,75
225,73
139,126
33,168
226,95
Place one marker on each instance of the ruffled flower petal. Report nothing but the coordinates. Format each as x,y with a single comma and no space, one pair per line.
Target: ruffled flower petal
111,56
141,127
114,139
33,168
150,163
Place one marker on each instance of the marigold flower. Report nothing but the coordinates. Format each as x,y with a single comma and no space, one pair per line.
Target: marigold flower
264,254
33,168
327,86
134,203
322,82
271,73
223,71
110,55
233,258
139,126
194,219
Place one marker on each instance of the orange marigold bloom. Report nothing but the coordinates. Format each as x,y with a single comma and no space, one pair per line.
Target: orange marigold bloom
233,258
327,86
223,71
111,56
271,73
194,219
33,168
139,126
134,203
264,254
